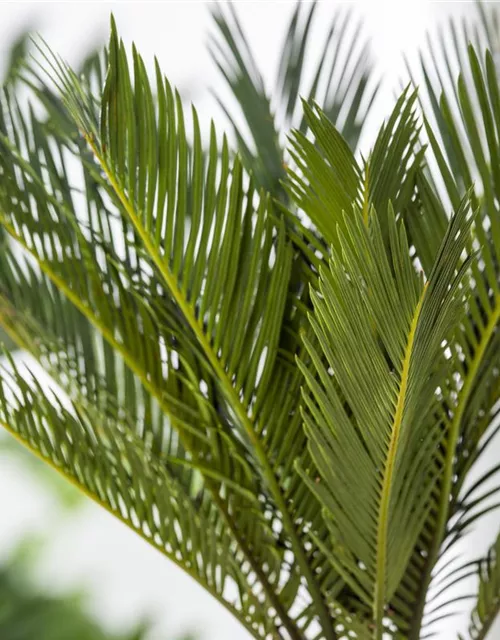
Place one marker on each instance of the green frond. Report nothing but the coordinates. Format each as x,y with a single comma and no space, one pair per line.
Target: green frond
161,292
480,342
233,344
16,55
152,381
466,116
115,469
441,62
227,262
329,182
389,450
15,58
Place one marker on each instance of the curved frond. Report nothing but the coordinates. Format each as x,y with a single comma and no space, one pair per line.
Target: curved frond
104,459
329,181
223,370
467,117
161,291
157,374
15,57
389,450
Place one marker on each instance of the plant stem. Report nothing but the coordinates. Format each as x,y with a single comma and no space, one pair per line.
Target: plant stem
383,518
483,634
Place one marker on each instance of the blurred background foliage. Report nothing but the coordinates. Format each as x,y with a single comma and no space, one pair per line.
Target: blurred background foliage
28,613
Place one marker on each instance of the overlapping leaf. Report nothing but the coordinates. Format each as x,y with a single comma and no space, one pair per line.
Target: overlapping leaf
230,256
329,181
162,294
104,459
156,374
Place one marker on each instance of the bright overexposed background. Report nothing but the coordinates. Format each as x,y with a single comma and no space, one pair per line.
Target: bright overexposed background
125,578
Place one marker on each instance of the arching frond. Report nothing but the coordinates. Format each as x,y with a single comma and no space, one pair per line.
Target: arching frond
181,284
103,458
226,365
329,181
155,374
15,57
466,116
389,450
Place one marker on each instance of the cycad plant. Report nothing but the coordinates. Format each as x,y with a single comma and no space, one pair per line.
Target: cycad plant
278,365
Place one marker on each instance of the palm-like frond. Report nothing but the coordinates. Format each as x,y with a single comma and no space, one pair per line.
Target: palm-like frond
76,259
101,456
384,449
465,118
329,181
342,85
16,57
168,311
446,59
327,184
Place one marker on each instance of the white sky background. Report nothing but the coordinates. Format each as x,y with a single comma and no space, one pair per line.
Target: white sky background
127,578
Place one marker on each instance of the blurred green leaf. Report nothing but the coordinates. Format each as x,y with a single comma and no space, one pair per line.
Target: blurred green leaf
17,54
